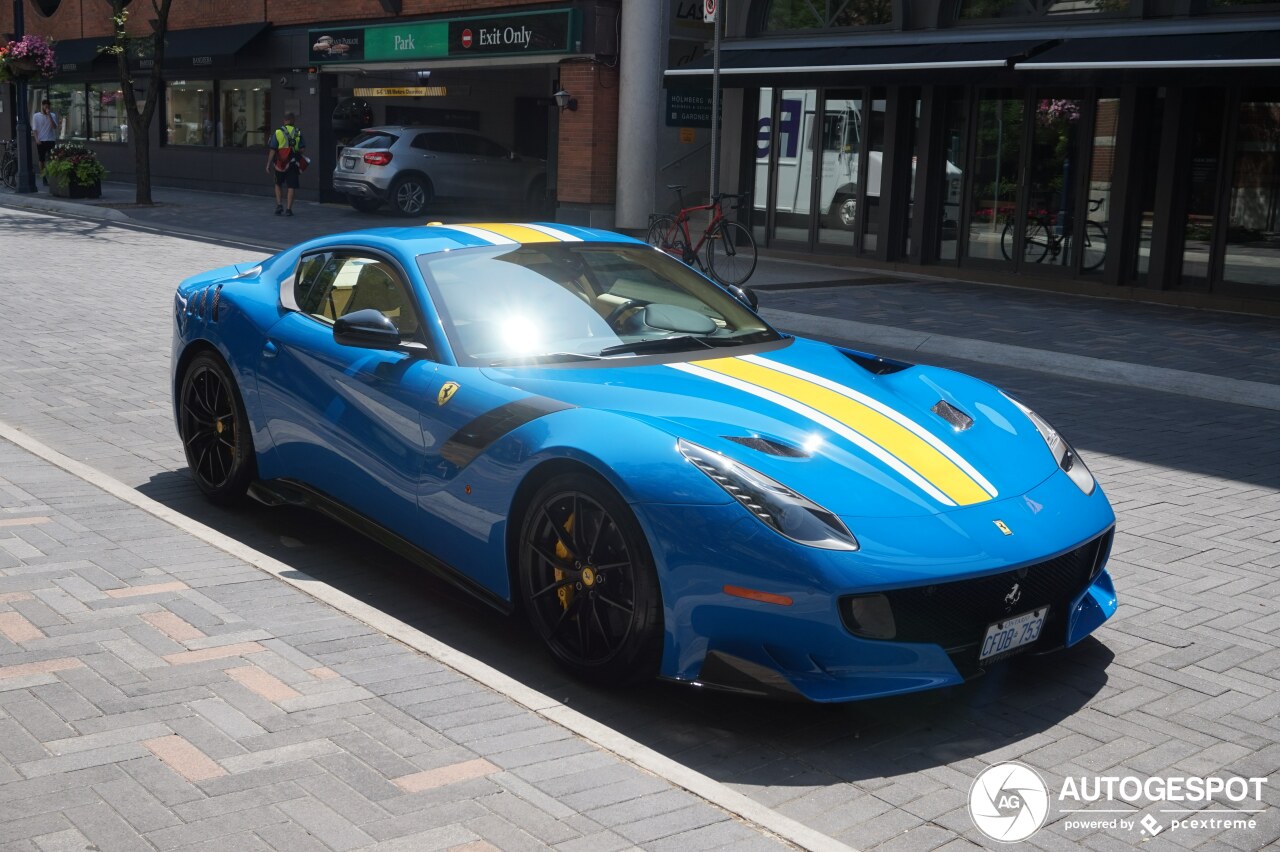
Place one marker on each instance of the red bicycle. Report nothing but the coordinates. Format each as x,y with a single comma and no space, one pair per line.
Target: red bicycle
730,249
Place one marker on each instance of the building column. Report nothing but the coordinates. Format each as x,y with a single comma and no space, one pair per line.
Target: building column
639,110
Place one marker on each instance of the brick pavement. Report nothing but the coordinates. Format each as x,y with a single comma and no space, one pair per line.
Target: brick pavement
146,704
1183,680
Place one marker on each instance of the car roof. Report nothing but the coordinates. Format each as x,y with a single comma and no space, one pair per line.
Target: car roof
437,236
413,128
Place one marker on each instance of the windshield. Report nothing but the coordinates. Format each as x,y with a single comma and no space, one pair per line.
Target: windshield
557,302
373,139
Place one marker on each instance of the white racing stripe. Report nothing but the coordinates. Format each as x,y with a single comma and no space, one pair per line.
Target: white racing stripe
831,423
875,404
488,236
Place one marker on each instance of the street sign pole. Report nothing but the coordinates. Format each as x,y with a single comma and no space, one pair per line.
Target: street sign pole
711,10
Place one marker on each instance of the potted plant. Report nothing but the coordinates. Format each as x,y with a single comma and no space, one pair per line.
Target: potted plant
27,57
73,171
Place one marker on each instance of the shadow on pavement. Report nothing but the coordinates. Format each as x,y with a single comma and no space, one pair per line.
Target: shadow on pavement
732,738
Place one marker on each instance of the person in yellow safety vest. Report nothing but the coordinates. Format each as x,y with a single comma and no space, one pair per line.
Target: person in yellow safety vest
284,150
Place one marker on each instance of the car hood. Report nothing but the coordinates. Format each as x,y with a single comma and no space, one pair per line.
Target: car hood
823,422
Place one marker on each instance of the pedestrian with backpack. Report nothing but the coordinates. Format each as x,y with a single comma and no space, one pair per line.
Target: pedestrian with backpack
285,159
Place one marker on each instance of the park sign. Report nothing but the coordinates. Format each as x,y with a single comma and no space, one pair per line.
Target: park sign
515,34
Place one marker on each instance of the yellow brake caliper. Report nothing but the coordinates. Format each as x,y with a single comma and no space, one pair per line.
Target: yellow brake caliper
565,593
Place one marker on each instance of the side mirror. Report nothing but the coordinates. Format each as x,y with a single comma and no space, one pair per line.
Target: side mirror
366,329
745,295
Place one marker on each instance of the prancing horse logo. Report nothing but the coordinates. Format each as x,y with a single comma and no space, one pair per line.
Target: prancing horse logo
447,390
1003,527
1015,595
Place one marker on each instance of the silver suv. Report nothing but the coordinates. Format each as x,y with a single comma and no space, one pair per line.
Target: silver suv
408,167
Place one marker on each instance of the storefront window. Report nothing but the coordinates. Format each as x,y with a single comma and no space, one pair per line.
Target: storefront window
793,164
1253,247
1053,212
243,116
970,9
67,101
820,14
952,174
993,192
1148,139
763,146
1204,111
1102,162
106,114
189,112
841,145
870,217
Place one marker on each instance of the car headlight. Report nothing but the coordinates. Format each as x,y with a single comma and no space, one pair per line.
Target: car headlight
774,504
1063,453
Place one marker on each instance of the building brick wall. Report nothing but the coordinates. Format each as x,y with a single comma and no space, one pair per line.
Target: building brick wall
589,135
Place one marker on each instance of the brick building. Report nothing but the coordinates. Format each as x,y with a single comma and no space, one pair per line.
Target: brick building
234,67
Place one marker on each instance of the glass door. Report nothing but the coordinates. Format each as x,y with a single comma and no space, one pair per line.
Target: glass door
793,171
1050,221
993,191
840,149
1252,249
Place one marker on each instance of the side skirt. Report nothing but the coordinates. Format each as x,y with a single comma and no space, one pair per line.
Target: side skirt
278,492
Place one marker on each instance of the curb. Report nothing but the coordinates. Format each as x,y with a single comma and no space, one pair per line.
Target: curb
40,204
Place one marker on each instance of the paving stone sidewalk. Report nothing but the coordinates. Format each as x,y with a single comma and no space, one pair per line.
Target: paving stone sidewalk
157,693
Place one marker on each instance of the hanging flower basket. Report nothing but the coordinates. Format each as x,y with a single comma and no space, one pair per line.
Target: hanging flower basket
27,58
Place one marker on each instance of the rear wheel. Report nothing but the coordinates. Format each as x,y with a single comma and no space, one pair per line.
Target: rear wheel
1095,246
731,253
666,234
587,581
410,195
364,205
215,430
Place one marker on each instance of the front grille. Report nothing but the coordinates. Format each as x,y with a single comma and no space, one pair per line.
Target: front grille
956,615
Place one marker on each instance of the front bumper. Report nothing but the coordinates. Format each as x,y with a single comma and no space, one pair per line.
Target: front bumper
946,603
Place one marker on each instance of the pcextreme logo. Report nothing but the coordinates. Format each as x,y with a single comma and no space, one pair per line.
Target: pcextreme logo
1009,802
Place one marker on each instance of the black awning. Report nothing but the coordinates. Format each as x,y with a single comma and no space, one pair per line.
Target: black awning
1199,50
77,54
880,58
208,46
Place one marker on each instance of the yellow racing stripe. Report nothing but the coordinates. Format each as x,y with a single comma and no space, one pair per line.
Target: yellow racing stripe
892,437
519,233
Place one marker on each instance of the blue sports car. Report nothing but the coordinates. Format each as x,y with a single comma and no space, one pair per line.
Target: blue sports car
572,423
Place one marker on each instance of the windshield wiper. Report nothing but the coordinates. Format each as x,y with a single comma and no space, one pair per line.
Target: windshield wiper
655,344
545,358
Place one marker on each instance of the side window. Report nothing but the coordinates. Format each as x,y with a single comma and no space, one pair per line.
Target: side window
487,148
330,286
438,142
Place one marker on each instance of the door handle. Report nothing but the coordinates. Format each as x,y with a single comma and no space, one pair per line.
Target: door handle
270,350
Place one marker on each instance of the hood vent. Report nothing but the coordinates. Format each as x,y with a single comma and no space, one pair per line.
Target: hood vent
874,363
948,412
768,446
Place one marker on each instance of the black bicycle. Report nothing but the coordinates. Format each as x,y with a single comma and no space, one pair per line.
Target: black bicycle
1039,240
9,164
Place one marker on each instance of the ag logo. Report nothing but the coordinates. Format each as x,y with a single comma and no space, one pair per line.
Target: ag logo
447,390
1008,802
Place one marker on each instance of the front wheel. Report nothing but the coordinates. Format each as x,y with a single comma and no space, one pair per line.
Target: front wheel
665,233
731,253
215,430
587,581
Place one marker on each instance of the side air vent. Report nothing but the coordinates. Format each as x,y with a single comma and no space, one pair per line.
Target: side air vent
874,363
768,446
952,415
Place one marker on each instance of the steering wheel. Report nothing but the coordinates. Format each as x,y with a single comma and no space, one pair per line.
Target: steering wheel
616,313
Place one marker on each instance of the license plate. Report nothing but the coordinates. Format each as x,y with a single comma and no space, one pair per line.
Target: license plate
349,162
1013,632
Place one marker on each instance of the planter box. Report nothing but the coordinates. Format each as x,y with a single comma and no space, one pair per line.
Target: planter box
63,189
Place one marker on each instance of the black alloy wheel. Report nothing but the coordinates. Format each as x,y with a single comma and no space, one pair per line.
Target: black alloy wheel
215,431
587,581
